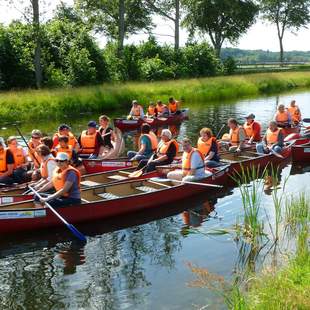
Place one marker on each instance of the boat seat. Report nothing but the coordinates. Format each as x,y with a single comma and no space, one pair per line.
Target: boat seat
90,183
146,189
246,157
227,161
117,177
108,196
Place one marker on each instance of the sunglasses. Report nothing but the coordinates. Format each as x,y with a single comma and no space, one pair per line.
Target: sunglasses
35,137
60,161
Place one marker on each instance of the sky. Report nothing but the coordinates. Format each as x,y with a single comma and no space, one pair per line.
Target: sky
259,36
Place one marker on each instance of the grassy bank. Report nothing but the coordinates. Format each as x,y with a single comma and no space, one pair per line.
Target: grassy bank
51,104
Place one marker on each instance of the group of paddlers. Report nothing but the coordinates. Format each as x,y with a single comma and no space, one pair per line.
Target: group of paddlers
56,161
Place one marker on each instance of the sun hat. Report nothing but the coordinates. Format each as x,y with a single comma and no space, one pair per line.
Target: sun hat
62,156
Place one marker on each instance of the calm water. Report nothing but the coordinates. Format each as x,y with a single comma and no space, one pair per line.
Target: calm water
141,261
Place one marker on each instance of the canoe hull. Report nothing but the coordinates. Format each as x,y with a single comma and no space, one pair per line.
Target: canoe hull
301,153
98,165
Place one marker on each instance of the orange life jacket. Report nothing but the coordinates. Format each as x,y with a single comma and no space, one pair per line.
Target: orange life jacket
153,139
19,157
59,178
67,150
71,138
234,135
151,111
186,160
248,128
161,109
3,163
164,146
282,117
88,142
43,168
137,110
173,106
204,147
272,136
295,114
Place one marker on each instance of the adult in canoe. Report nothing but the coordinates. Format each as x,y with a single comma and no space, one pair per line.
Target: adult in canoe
193,167
64,147
207,145
147,144
136,111
174,106
106,132
48,141
162,109
151,110
282,117
272,141
91,141
294,110
20,160
65,130
66,183
165,153
236,137
33,143
6,164
252,129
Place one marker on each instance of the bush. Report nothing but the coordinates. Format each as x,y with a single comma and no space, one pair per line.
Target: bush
229,65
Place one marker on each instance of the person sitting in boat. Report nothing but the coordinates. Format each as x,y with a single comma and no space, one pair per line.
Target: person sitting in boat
193,167
282,117
47,166
65,147
33,143
106,132
165,153
91,142
272,141
151,110
174,106
252,129
20,160
162,109
147,144
236,137
207,146
65,181
65,130
48,141
294,110
6,165
136,111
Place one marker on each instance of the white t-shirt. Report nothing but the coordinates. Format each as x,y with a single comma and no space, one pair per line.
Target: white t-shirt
51,165
197,162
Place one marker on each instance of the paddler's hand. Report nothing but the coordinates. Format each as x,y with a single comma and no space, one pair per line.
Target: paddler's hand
238,150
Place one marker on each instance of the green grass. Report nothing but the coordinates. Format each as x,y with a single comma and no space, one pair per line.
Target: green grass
54,103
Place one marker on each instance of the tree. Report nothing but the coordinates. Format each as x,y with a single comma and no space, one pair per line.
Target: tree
287,15
169,9
220,19
117,19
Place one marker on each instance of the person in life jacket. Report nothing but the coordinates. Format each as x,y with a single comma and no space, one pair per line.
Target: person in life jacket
162,109
48,141
147,144
47,166
136,111
294,110
91,142
65,147
6,165
282,117
207,145
66,183
174,106
272,141
165,153
65,130
33,143
193,167
236,137
20,160
252,129
151,110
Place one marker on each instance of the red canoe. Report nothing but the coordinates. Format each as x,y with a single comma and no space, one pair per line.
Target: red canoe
127,125
301,152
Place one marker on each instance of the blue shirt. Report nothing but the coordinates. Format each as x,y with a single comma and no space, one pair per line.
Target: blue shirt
75,190
148,145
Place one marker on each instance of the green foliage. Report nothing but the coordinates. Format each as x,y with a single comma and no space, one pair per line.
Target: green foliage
230,66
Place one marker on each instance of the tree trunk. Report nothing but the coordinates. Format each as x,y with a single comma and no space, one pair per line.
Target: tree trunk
177,25
121,27
217,50
37,52
281,51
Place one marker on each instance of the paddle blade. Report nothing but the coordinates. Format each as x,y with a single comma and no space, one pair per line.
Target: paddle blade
306,120
76,233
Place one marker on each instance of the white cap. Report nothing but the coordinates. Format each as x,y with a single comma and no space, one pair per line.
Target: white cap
62,156
167,133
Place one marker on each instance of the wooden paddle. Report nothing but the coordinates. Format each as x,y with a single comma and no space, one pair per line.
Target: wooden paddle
75,232
138,173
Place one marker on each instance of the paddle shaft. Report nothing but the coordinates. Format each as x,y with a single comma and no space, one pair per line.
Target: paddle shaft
78,234
197,183
219,132
20,133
